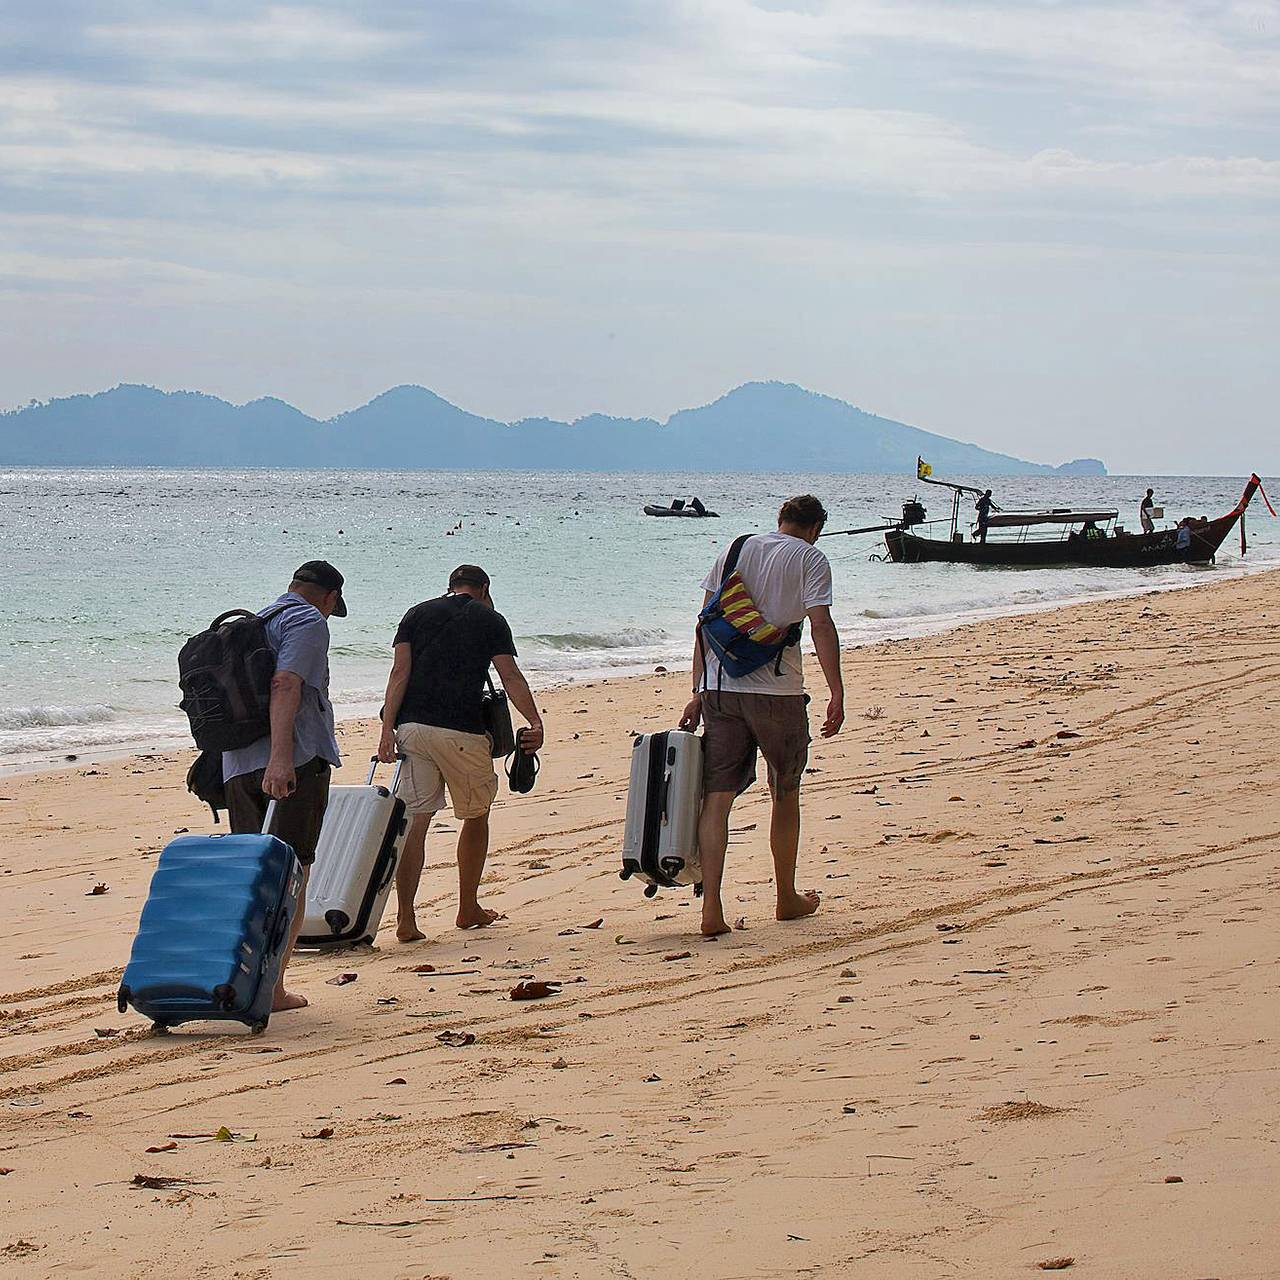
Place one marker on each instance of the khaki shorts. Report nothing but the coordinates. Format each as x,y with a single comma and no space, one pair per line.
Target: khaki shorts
439,758
736,725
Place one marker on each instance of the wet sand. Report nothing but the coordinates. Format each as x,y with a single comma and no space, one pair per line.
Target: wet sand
1035,1019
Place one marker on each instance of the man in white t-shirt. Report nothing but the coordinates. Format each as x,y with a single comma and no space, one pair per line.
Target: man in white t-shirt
766,710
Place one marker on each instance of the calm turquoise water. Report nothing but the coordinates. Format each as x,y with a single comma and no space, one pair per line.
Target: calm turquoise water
104,573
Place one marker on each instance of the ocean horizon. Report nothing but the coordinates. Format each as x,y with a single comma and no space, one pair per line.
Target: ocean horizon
106,571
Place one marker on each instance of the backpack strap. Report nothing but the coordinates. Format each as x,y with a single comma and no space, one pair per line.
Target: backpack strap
262,617
731,560
730,564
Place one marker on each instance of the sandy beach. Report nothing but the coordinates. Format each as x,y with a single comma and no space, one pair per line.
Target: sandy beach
1036,1019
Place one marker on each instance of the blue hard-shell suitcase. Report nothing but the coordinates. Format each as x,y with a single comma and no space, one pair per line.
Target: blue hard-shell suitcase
213,931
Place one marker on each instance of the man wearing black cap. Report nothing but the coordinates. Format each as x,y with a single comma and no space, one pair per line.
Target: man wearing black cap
291,765
443,650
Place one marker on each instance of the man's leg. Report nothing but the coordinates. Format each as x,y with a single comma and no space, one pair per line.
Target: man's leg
283,999
473,848
408,876
713,840
782,726
784,841
297,822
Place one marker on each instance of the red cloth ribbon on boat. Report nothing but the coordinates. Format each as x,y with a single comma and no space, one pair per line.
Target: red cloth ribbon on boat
1265,499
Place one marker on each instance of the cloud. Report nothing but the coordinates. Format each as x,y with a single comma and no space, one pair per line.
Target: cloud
510,158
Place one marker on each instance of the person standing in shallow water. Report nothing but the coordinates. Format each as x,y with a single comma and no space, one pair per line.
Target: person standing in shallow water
766,711
432,714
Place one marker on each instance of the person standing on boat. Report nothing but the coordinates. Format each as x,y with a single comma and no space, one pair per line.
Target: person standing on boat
984,505
1144,512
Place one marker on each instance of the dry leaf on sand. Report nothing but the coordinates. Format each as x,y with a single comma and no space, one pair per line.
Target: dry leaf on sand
534,990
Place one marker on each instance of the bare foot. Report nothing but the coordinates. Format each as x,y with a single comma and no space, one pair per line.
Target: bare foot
714,926
476,919
286,1000
797,906
409,932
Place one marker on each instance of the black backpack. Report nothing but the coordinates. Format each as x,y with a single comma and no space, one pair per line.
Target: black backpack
225,676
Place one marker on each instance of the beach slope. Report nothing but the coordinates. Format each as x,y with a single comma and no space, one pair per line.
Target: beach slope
1035,1020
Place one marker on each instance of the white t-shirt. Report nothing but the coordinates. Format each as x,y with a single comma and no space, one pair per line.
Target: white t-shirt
786,577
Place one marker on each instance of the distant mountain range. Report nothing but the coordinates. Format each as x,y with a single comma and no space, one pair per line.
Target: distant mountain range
760,426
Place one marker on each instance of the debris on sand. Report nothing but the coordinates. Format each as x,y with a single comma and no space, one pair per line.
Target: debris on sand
158,1182
534,990
1018,1111
457,1039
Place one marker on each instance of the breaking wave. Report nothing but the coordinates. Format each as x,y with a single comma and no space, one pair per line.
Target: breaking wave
54,717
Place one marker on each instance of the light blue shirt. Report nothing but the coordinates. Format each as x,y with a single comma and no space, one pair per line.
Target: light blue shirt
300,638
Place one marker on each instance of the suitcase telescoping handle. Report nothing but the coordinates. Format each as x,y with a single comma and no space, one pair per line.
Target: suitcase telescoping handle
395,777
269,817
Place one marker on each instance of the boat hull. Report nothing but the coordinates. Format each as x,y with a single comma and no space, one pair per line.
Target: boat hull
1125,551
686,514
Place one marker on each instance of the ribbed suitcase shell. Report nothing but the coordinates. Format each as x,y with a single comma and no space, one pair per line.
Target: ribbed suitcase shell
356,857
664,801
212,933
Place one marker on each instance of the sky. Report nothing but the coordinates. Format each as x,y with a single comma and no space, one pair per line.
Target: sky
1047,227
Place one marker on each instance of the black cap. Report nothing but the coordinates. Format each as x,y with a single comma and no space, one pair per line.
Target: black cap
322,574
469,575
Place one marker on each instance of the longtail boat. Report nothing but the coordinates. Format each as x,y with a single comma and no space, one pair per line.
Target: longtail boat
1054,538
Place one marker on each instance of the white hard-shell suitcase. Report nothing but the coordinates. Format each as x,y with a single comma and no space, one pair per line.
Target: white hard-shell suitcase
664,802
356,857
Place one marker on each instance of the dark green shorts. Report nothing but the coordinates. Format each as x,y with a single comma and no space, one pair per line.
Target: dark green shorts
297,818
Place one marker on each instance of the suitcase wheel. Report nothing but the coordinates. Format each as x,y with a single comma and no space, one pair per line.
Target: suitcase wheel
159,1028
122,999
338,921
697,889
225,995
651,891
625,873
257,1028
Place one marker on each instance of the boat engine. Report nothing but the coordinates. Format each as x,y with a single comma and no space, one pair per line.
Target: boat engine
913,512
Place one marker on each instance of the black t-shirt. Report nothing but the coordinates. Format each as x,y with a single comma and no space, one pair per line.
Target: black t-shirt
453,640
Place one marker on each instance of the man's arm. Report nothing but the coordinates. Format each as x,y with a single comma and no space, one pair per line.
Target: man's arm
517,688
279,779
693,712
397,683
826,640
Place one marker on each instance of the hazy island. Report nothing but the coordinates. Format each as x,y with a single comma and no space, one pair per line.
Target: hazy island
760,426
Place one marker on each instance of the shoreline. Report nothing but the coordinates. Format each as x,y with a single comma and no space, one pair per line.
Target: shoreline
909,627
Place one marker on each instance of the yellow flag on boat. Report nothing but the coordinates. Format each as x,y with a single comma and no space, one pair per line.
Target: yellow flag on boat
923,469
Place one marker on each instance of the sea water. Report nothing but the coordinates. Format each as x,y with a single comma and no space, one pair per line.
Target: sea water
104,573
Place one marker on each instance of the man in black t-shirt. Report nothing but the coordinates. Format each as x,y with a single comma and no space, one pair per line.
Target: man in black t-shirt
432,713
